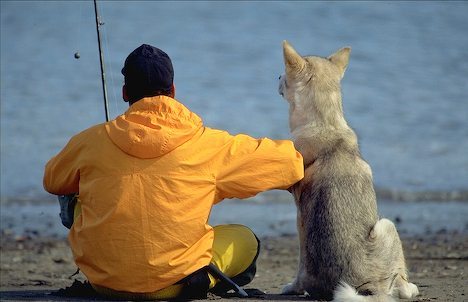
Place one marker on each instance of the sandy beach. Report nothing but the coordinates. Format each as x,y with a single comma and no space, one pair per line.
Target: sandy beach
32,267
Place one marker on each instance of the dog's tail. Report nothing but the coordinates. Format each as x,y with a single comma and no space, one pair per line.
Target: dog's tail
345,293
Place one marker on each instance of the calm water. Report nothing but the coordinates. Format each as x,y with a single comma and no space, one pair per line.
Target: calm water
405,91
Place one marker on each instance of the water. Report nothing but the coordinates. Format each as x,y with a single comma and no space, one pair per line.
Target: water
405,90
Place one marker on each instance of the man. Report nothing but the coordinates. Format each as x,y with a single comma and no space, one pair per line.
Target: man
147,181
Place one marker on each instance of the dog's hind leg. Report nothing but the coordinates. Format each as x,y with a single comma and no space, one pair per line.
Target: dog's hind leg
388,246
405,289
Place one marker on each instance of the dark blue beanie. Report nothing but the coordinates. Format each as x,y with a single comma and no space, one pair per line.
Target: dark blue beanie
147,71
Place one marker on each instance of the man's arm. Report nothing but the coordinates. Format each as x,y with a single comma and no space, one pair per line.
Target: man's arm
256,165
62,175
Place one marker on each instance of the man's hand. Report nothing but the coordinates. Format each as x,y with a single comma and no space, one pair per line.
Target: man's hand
67,208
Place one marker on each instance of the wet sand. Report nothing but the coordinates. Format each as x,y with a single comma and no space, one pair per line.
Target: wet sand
32,267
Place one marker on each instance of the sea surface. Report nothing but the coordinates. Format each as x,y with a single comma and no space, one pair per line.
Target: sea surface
405,92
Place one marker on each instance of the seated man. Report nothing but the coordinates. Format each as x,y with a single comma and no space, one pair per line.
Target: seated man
147,182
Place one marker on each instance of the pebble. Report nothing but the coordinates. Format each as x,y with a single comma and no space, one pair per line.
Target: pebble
16,259
7,232
20,238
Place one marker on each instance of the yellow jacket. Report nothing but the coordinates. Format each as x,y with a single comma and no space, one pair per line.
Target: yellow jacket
147,181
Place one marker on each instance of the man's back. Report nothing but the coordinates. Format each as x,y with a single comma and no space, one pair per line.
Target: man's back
147,182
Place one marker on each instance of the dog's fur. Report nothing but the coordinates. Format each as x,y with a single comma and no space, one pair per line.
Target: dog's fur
345,250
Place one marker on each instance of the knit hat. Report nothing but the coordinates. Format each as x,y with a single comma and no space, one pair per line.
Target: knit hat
147,70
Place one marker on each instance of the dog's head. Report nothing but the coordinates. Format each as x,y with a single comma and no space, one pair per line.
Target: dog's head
303,74
311,84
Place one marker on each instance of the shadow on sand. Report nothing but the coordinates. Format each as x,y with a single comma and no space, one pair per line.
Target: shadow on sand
48,295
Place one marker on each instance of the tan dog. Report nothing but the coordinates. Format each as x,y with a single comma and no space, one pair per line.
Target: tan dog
345,250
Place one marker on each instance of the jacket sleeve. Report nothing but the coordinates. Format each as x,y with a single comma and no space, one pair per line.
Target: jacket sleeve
62,174
251,166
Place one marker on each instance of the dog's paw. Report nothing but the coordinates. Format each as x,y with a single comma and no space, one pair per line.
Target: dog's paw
287,289
291,289
408,291
414,289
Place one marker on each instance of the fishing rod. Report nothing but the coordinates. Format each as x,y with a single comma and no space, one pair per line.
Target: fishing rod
101,59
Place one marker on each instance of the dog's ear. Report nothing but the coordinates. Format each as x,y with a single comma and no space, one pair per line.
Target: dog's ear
292,60
341,59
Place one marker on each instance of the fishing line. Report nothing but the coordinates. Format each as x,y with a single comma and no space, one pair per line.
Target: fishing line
107,50
99,23
77,41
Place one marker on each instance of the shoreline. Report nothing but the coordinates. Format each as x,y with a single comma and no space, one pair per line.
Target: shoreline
392,194
267,215
32,267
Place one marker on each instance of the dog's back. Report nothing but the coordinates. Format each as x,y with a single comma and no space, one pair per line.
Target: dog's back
337,199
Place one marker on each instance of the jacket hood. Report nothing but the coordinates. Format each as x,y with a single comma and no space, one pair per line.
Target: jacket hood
153,126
